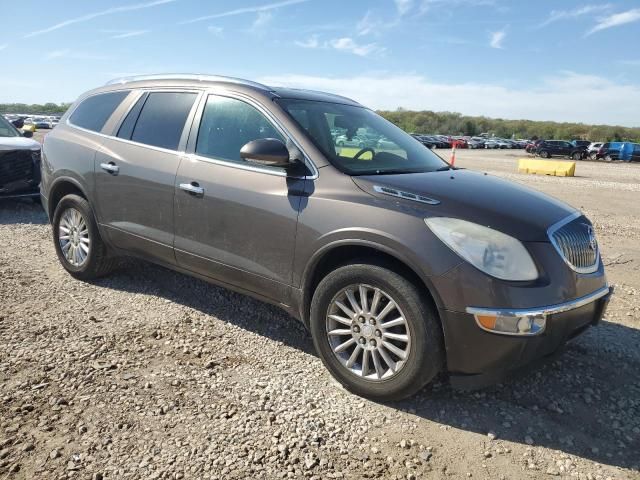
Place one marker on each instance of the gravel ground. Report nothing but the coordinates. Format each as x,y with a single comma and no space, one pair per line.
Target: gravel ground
152,374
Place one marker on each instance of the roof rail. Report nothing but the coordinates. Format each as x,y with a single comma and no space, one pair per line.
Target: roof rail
188,76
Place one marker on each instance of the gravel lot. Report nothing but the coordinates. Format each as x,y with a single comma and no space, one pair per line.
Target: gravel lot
152,374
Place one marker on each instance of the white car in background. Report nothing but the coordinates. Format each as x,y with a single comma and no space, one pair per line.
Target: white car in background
594,147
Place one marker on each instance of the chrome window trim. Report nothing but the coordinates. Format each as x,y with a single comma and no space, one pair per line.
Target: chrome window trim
193,156
111,136
538,311
238,165
557,226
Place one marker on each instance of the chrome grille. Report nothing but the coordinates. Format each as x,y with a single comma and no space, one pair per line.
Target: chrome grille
574,239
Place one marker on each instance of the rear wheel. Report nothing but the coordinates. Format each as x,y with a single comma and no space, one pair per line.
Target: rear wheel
545,154
608,158
375,332
593,156
577,156
77,240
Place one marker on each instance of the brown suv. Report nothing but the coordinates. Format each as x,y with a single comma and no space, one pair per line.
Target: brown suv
400,265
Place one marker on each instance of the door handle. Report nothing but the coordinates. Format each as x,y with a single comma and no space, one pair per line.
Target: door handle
110,167
193,188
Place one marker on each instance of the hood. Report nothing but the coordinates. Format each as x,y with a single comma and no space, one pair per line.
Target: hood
508,207
18,143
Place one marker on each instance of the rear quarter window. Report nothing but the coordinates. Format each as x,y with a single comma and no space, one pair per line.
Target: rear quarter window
94,111
163,118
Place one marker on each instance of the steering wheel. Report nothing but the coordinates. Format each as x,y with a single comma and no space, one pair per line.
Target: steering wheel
365,150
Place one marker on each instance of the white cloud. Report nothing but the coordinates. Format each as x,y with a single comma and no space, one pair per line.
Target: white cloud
616,20
565,97
217,31
68,53
347,44
403,6
428,4
133,33
263,18
311,42
241,11
497,38
91,16
557,15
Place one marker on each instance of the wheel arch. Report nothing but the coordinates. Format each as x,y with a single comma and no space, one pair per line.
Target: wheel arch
60,188
345,252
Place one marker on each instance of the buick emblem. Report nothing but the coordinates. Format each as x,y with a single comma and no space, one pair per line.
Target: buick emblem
593,243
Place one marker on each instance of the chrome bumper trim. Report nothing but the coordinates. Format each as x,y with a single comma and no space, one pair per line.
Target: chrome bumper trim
549,310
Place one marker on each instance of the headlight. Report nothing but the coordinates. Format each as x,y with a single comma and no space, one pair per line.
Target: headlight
493,252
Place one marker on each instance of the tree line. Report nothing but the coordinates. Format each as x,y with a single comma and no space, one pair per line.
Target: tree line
450,123
35,108
446,123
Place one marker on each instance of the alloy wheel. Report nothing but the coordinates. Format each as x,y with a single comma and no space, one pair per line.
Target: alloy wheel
367,332
73,237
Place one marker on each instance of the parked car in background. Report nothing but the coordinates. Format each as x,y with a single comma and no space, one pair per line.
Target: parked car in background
496,143
581,143
389,260
614,151
532,145
355,141
562,148
476,143
44,123
19,163
424,140
593,148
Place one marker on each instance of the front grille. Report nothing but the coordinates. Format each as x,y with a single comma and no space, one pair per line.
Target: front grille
15,165
575,241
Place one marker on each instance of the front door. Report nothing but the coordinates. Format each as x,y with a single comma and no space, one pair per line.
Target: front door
136,171
236,221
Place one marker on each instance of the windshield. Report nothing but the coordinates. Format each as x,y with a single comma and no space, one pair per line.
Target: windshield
7,129
360,142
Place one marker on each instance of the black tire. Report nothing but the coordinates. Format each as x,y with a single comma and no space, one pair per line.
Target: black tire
545,154
98,262
593,156
577,156
425,358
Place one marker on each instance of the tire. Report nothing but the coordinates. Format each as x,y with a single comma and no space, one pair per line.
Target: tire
424,349
577,156
593,156
608,158
545,154
96,262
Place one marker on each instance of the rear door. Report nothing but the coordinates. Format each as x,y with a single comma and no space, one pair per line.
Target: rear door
136,171
235,220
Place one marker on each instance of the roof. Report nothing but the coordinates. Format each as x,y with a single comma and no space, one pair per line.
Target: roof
197,79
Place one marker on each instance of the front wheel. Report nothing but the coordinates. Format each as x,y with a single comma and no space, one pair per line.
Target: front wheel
77,240
375,332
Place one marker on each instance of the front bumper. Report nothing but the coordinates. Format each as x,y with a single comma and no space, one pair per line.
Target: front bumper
477,357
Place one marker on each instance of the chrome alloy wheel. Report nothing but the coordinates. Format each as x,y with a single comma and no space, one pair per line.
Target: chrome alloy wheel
73,235
368,332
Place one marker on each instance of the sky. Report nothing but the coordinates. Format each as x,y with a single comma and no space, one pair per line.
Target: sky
561,60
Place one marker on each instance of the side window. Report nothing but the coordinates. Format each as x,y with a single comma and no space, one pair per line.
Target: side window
126,129
162,118
227,124
94,112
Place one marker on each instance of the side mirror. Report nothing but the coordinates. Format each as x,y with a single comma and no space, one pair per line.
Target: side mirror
27,134
267,151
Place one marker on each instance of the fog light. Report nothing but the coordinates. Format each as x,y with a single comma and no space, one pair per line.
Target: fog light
512,325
